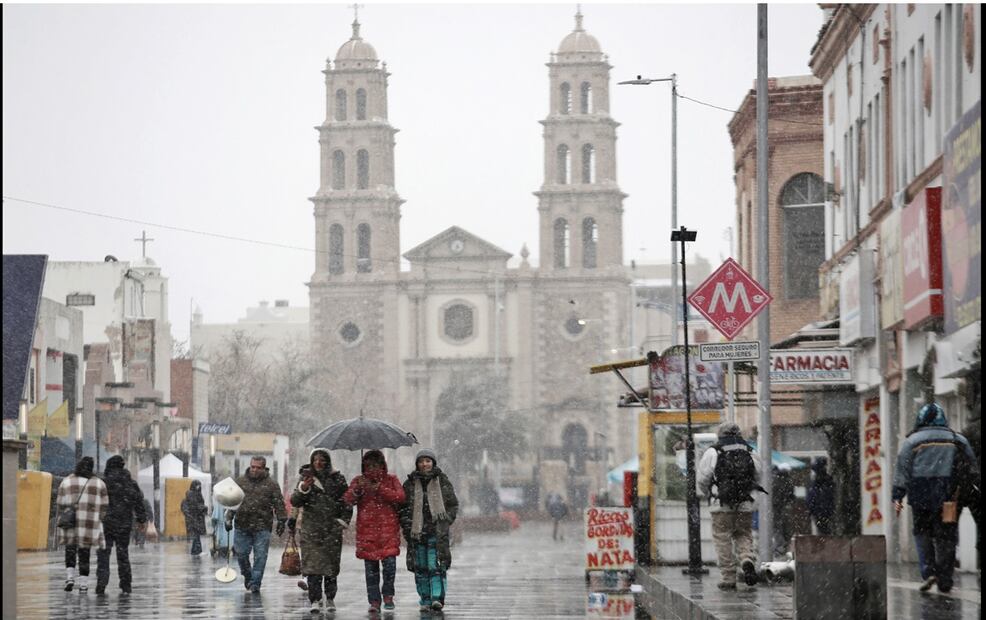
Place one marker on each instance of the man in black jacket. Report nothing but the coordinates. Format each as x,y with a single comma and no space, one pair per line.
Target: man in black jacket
126,504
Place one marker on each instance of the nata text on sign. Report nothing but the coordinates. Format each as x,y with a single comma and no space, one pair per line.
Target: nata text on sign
609,539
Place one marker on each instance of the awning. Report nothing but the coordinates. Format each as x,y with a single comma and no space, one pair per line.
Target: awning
615,475
781,460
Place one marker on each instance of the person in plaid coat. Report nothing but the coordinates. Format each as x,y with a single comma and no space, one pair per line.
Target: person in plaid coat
87,494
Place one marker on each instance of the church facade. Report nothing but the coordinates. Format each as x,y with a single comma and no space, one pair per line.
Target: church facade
391,341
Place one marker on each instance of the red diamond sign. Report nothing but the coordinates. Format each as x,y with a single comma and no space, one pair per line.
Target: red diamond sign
729,298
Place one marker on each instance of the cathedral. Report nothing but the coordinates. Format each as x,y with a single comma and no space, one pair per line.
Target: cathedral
391,340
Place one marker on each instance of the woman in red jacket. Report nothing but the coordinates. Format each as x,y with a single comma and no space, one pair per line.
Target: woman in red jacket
377,494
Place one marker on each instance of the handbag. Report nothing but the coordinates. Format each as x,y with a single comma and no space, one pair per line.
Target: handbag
291,559
950,509
68,519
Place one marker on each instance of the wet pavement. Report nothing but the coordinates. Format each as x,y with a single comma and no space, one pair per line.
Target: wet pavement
517,574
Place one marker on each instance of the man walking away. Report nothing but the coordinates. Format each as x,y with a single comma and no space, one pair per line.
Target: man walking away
126,503
734,469
925,474
557,509
821,497
254,518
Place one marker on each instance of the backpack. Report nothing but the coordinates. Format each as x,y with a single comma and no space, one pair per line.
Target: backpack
735,475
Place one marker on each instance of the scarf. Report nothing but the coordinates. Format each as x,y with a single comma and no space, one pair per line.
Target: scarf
435,504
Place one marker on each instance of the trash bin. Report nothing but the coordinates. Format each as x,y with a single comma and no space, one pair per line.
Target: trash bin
827,568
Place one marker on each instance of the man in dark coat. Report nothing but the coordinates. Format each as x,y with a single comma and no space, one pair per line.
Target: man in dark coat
427,514
821,497
253,520
194,509
126,503
924,474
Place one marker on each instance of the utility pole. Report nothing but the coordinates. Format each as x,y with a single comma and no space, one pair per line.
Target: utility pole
764,431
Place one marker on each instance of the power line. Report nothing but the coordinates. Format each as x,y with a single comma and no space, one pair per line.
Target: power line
775,120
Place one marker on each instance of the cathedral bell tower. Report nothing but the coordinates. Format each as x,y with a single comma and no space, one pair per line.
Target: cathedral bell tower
357,209
580,204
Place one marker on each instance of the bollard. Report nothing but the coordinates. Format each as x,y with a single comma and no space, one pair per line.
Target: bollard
829,567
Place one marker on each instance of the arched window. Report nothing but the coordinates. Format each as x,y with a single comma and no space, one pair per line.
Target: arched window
362,169
361,105
590,241
564,165
336,246
565,101
338,170
588,163
585,101
340,105
561,243
802,204
364,264
575,447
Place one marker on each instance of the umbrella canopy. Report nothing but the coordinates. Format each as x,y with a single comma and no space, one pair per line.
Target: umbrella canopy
361,434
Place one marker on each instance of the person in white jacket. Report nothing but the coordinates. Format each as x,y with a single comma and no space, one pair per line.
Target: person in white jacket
729,474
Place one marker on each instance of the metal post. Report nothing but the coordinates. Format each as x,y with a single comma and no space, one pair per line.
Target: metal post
731,412
694,517
98,429
212,459
79,415
764,431
674,208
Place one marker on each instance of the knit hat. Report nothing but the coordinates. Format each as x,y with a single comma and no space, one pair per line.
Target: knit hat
931,415
115,462
425,452
729,429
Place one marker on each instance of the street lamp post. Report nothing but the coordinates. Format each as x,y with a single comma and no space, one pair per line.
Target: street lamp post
79,414
694,518
640,81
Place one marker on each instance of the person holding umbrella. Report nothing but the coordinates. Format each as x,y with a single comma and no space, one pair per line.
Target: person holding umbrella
378,535
319,494
428,511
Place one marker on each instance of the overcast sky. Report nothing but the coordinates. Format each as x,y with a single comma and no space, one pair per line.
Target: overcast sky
201,117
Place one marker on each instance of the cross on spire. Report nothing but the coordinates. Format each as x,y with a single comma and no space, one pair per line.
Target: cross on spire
578,17
355,8
144,240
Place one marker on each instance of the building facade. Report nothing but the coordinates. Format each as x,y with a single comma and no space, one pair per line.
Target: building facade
393,341
901,88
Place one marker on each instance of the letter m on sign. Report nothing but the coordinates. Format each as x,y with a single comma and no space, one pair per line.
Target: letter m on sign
729,298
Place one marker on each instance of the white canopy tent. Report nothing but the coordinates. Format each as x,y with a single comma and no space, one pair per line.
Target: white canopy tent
171,467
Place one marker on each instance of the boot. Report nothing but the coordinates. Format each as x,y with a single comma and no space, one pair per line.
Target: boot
69,578
84,583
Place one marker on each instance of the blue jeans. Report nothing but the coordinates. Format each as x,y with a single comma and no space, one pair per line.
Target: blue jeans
936,543
429,576
243,543
372,569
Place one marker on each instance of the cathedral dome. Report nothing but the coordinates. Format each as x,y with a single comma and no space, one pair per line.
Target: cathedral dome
579,41
356,48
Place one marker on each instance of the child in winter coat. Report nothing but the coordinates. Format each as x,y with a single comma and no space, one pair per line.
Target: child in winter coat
377,495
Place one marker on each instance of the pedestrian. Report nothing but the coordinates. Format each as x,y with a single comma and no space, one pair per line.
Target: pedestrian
558,510
262,501
377,495
782,503
319,494
429,509
140,533
126,505
194,509
733,468
925,475
85,494
821,497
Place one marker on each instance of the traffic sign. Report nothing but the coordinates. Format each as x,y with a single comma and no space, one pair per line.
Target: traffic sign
729,351
729,298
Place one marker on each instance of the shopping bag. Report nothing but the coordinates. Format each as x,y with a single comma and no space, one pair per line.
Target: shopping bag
291,559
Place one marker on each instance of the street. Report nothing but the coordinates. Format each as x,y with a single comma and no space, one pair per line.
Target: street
520,574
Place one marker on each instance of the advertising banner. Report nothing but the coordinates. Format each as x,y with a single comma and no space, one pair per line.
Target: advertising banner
921,245
962,222
823,366
609,540
891,272
871,468
667,381
856,300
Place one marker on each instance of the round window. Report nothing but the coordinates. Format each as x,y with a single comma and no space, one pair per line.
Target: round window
350,333
458,322
574,326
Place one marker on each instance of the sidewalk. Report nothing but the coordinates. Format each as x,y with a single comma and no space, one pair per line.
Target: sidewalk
670,594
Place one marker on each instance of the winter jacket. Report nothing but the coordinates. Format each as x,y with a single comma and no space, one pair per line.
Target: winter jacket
924,466
378,532
261,500
321,530
821,497
431,527
706,474
193,507
90,499
126,501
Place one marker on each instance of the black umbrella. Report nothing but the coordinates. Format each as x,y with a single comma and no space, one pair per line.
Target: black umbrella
361,434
